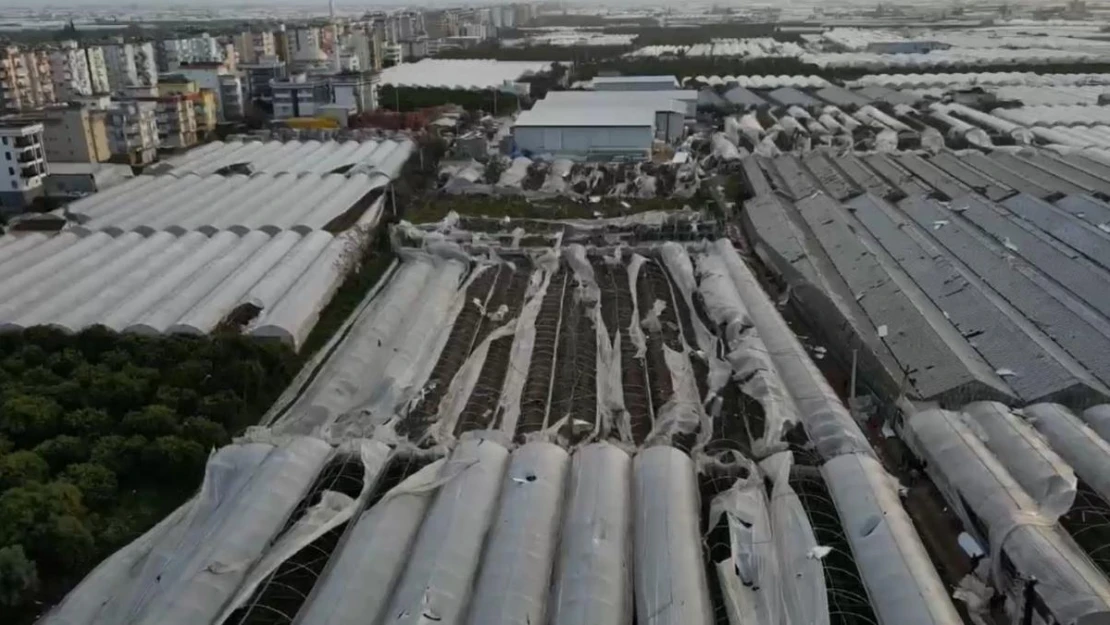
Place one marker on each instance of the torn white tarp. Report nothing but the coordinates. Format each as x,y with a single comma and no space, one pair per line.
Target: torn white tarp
515,581
1080,446
593,581
195,566
805,598
754,592
747,354
333,510
360,579
901,582
1028,458
1098,418
437,582
973,481
671,588
827,422
514,174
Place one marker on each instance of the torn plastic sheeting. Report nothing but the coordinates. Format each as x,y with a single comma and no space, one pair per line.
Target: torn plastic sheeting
515,580
96,593
671,587
593,582
901,583
635,331
1040,471
725,149
973,480
886,141
462,385
681,269
248,492
444,561
682,413
1079,446
805,597
827,422
524,341
751,366
514,174
333,509
357,585
396,377
754,583
354,364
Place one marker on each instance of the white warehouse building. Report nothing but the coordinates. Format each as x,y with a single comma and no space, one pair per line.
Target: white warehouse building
635,83
582,133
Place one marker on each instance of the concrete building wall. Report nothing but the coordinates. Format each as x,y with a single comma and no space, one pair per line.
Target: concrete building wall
69,69
585,142
22,165
75,135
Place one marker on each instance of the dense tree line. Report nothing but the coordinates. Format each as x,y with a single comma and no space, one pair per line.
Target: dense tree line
405,99
102,435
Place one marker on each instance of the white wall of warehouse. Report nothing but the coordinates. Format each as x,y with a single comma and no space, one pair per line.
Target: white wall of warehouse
566,140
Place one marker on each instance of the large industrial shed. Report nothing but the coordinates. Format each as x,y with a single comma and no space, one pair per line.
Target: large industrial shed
635,83
687,97
583,133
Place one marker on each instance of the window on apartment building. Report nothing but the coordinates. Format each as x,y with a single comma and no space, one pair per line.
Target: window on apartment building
5,141
11,171
14,185
8,155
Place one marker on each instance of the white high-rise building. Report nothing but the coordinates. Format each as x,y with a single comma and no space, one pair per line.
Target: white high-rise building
131,65
22,165
98,69
69,70
202,49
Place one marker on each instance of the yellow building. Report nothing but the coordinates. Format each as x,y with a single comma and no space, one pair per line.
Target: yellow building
205,102
72,133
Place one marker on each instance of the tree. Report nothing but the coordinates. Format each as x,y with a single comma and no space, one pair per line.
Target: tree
47,520
62,451
117,453
18,577
97,483
206,432
20,467
29,418
152,422
87,421
176,460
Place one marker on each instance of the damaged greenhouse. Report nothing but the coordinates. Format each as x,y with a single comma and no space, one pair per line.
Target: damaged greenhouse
543,422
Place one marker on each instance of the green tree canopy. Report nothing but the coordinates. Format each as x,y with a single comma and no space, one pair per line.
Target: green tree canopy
62,451
96,482
20,467
29,419
18,577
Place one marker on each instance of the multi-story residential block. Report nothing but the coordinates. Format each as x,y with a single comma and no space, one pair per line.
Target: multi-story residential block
130,65
23,165
283,45
231,97
307,44
208,76
299,96
69,71
200,49
74,133
367,45
255,45
41,78
133,131
259,76
203,100
25,79
392,54
355,91
177,121
98,70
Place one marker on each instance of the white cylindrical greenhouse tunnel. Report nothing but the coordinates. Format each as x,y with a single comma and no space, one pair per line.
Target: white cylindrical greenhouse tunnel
206,315
241,189
93,309
294,315
25,243
118,211
271,288
88,205
593,582
1098,419
212,191
79,291
1080,446
41,271
271,213
1028,458
274,155
444,561
671,586
158,319
356,587
29,257
337,158
355,188
165,284
155,205
17,302
328,186
274,192
515,581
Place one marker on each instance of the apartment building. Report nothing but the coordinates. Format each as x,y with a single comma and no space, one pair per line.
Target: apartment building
201,49
133,131
254,46
25,79
258,76
177,121
69,71
231,101
306,44
74,133
130,65
357,92
368,47
209,77
41,78
23,165
98,70
299,96
203,100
